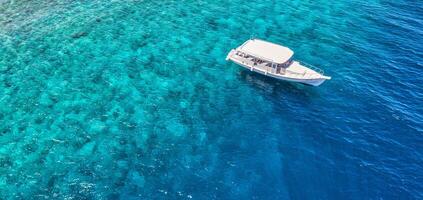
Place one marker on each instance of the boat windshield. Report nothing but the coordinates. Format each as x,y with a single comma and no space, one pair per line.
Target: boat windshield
287,63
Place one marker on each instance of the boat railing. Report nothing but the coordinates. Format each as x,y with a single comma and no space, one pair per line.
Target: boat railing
302,75
312,67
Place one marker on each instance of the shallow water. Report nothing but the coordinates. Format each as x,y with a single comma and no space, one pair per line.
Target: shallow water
134,99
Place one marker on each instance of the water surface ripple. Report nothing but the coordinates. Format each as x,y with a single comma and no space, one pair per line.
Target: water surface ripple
134,99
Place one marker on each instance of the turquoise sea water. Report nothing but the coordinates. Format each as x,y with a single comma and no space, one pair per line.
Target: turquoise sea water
134,100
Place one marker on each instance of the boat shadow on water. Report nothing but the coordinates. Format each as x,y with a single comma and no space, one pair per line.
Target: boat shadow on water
277,89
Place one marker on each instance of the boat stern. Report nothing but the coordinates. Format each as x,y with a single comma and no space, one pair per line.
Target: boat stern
228,57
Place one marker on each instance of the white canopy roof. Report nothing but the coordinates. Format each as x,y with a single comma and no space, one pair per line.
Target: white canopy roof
266,50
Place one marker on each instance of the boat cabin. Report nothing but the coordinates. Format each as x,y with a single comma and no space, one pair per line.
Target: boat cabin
264,54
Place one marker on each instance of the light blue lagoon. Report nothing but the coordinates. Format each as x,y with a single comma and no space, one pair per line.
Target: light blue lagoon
134,100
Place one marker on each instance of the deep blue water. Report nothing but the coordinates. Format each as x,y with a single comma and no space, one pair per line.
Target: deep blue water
134,99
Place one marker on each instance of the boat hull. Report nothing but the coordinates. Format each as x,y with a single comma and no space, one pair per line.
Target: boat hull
312,82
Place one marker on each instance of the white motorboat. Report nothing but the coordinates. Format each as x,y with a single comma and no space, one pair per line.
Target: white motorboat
275,61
